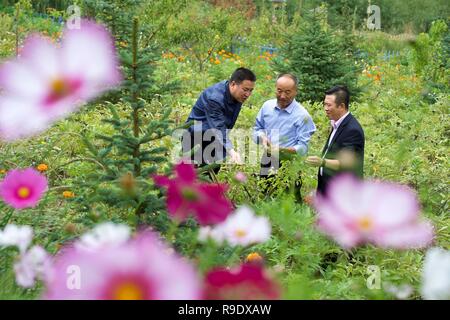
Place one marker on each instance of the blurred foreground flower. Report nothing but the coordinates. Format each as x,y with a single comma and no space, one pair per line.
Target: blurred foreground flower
47,83
104,234
242,227
185,196
23,188
16,236
401,292
436,275
33,264
246,282
140,269
381,213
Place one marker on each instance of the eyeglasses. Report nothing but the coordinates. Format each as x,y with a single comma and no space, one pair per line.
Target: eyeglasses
246,90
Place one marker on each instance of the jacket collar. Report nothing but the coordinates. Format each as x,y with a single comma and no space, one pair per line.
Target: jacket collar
341,127
344,123
228,95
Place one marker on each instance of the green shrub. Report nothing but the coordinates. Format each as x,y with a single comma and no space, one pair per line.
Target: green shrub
319,59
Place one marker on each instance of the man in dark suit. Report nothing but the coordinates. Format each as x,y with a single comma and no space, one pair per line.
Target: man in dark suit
344,149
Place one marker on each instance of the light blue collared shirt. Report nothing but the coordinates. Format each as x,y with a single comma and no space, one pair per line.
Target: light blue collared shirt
289,127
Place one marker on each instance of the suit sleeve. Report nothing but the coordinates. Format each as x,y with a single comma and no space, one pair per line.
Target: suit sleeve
354,141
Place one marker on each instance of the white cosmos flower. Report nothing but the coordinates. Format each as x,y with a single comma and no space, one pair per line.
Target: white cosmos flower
31,265
104,234
401,292
244,228
436,275
208,232
19,236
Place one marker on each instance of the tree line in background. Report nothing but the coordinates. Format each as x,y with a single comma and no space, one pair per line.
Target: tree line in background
396,16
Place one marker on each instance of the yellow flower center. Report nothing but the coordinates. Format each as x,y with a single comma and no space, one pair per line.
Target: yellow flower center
240,233
365,223
23,192
128,291
189,194
60,88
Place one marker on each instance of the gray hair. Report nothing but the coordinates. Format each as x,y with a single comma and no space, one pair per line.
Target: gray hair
290,76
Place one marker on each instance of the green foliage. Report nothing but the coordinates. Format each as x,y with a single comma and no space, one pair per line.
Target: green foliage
18,21
133,151
212,30
431,56
117,14
319,59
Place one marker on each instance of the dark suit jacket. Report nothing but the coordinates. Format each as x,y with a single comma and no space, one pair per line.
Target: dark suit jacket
349,136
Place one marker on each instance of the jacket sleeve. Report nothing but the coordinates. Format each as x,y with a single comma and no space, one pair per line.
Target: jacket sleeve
354,141
216,120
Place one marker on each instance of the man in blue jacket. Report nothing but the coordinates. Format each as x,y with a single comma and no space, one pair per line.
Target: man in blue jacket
214,114
344,149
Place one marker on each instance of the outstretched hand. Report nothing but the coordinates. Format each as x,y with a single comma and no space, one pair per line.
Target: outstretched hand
314,161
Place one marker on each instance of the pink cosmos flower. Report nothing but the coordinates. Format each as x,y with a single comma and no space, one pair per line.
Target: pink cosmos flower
382,213
47,82
140,269
240,177
23,188
186,195
246,282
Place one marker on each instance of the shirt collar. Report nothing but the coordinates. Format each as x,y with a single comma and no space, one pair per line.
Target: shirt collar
289,108
336,124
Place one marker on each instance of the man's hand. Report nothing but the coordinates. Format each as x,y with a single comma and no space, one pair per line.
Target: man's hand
235,157
314,161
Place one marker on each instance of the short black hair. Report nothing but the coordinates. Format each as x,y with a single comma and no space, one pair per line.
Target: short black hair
290,76
242,74
341,93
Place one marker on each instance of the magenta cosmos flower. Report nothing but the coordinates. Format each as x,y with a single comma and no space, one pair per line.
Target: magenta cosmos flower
246,282
48,82
23,188
185,196
141,269
382,213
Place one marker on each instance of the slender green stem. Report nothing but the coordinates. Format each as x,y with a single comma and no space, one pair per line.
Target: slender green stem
6,219
248,194
17,29
136,129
